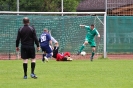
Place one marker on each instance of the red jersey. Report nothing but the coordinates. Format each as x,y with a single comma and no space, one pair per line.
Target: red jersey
61,56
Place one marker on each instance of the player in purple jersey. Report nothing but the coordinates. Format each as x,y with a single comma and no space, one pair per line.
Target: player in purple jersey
45,43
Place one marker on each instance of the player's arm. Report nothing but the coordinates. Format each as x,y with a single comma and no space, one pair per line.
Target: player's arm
51,44
97,33
55,41
50,41
17,41
36,40
85,26
82,26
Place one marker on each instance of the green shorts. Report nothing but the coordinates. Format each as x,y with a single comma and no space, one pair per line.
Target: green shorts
91,42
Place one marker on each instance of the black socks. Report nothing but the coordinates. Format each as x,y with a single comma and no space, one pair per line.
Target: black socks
33,67
25,69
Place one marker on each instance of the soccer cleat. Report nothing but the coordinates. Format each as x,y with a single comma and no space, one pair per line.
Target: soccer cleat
46,59
91,58
78,53
33,76
25,77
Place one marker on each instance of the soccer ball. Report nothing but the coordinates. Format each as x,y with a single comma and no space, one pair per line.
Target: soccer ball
83,53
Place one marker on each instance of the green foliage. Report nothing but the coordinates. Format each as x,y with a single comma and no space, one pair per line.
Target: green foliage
70,5
75,74
8,5
38,5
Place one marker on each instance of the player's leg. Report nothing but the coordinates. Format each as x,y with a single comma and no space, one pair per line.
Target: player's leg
93,46
43,55
44,52
93,53
33,65
66,54
33,61
82,47
25,60
49,53
25,65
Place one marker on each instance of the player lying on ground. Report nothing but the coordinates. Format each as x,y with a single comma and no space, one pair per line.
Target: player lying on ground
45,43
61,57
91,33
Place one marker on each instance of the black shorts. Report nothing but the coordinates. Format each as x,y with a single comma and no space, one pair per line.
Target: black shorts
27,52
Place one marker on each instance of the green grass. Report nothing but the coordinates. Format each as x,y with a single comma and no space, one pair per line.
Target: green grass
101,73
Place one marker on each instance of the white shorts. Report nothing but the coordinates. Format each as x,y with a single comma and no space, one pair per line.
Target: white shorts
53,40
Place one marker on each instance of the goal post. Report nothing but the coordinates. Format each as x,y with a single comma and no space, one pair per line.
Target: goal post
74,18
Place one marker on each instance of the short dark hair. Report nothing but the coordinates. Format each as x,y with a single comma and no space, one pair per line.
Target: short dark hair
64,58
26,20
92,25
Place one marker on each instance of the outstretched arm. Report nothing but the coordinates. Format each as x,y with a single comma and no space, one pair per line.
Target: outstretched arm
97,33
50,42
82,26
17,41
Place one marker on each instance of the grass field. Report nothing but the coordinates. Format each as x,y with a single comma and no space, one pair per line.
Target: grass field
101,73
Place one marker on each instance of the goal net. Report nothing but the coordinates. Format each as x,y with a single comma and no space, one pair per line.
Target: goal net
65,29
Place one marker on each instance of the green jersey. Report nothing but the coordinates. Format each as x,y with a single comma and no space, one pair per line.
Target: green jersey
91,34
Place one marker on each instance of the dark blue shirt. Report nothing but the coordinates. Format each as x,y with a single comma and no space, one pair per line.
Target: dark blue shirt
44,39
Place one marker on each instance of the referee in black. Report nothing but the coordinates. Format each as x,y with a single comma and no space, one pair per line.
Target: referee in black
27,36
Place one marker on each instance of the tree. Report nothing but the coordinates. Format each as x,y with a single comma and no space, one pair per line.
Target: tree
39,5
70,5
8,5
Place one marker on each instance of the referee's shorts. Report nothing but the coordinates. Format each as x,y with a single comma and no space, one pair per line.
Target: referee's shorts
27,52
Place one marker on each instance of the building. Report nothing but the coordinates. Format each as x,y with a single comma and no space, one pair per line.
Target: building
114,7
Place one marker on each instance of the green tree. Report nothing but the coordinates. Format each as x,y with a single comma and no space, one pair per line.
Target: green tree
8,5
50,6
70,5
39,5
30,5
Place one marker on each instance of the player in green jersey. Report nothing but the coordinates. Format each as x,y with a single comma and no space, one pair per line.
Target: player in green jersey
91,33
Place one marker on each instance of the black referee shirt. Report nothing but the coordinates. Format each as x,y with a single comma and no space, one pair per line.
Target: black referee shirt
27,35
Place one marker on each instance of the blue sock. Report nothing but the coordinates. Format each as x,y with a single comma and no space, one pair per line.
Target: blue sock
48,55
